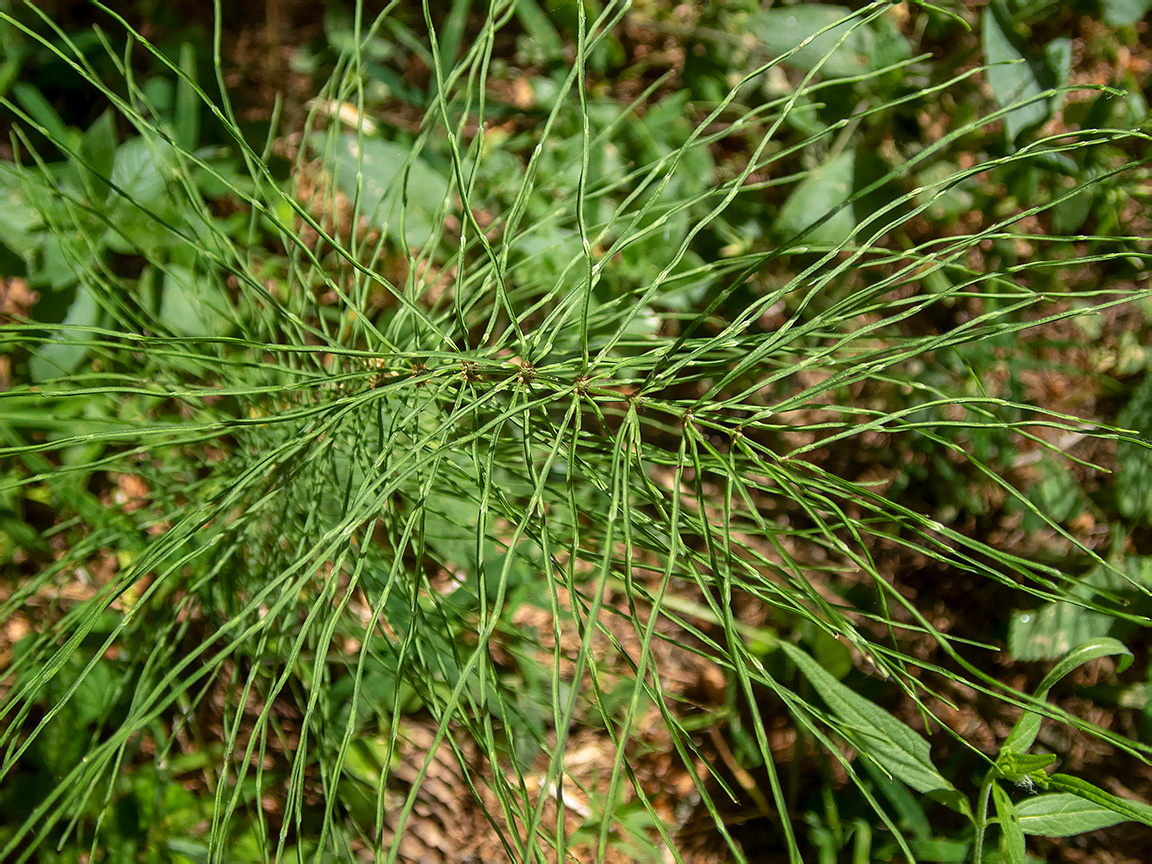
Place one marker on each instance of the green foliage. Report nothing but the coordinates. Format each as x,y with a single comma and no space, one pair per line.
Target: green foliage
1094,609
376,168
1075,806
1026,85
498,421
828,39
1121,13
898,750
1134,476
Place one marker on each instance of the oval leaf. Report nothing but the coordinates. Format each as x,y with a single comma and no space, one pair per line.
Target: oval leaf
381,199
63,355
1130,811
812,205
839,45
1062,815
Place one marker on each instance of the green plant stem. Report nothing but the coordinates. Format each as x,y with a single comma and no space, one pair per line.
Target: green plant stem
981,820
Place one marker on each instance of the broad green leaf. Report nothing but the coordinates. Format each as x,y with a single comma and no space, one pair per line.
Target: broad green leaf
141,169
9,69
1057,495
940,851
96,693
1061,814
158,94
40,110
539,28
1024,733
1012,837
905,804
64,353
1050,631
1058,62
946,200
781,30
1121,13
1068,215
62,262
1133,811
892,744
19,218
1015,77
380,194
98,151
817,195
548,258
1134,459
193,305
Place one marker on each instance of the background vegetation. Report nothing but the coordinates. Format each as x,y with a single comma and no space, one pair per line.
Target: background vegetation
559,431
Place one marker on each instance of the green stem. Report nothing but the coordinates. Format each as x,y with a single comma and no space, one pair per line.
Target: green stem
982,815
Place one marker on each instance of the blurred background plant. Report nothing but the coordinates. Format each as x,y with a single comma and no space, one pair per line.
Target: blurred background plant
590,430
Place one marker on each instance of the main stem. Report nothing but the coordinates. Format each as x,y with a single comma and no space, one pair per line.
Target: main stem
982,815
